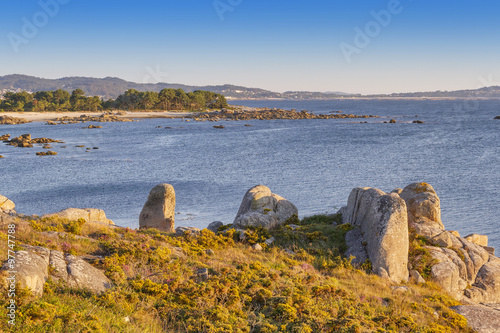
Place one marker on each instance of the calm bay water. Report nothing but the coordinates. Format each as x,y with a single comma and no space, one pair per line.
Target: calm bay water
313,163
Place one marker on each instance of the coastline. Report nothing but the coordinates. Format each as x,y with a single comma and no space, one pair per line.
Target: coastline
50,116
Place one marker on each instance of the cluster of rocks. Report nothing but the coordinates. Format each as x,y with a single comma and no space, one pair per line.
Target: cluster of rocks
6,120
103,118
35,264
268,114
46,153
259,208
25,140
465,266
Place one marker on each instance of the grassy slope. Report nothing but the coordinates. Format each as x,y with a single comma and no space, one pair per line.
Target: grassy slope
301,283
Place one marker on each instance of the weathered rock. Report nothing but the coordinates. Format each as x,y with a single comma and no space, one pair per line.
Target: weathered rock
59,266
269,241
31,271
88,214
397,191
32,266
262,208
477,239
488,279
83,275
423,205
214,226
450,256
480,318
192,231
417,277
355,248
159,210
6,204
257,247
489,249
474,257
383,222
444,239
446,275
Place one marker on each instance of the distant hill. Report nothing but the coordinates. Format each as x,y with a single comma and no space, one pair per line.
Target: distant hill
111,87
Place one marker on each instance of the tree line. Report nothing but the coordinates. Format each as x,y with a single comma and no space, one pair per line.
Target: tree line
61,100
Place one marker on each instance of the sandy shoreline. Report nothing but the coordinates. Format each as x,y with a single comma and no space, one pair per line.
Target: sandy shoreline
46,116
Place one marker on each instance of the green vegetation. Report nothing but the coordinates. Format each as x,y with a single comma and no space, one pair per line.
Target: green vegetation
61,100
299,283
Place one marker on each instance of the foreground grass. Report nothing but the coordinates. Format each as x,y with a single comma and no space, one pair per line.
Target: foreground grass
300,283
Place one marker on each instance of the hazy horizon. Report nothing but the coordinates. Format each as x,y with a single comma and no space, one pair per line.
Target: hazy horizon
367,47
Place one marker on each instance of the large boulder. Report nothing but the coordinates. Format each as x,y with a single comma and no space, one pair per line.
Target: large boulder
31,271
424,209
159,211
32,267
481,319
6,204
383,230
88,214
85,276
262,208
487,285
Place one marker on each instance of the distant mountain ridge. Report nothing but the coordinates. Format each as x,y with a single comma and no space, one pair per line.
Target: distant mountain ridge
111,87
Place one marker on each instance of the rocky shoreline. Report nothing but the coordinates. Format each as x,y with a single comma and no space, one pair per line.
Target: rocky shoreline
399,235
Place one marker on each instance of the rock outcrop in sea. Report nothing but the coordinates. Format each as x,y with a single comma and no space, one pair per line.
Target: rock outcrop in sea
159,210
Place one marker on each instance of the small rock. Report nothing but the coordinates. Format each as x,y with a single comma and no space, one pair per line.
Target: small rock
209,252
416,275
214,226
192,231
392,121
46,153
400,289
294,226
202,273
257,247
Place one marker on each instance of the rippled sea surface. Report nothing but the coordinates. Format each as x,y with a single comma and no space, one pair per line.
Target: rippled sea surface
313,163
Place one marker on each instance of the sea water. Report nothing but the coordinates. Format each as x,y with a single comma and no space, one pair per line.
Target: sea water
312,163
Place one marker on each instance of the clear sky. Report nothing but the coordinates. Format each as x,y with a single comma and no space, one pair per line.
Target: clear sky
318,45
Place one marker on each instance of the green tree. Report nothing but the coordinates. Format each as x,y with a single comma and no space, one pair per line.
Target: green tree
166,98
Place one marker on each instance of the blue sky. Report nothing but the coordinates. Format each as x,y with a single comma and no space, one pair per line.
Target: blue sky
277,45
